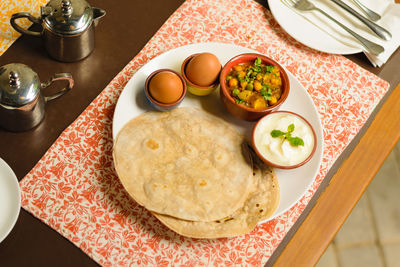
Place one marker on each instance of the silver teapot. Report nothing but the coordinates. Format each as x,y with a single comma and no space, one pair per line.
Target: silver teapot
67,28
22,104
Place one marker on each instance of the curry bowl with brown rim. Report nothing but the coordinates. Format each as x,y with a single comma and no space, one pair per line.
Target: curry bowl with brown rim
243,110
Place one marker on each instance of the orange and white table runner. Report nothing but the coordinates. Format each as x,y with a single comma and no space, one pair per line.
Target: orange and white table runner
74,187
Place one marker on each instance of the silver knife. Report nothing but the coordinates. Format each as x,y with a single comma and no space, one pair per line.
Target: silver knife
380,31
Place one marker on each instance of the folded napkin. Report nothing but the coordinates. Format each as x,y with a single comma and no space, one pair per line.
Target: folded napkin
390,20
390,12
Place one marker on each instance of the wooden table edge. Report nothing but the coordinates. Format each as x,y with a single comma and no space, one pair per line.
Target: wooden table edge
345,188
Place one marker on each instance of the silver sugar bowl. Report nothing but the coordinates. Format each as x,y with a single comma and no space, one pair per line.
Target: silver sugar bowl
67,28
22,104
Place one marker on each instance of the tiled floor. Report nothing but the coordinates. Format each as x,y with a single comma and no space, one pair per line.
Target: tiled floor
371,234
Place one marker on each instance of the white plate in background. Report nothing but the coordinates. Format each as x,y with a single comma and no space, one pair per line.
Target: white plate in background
307,33
10,199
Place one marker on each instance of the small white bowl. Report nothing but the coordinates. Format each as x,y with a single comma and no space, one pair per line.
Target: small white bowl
268,159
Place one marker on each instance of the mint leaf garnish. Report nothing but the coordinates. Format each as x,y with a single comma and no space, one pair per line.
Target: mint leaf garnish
296,141
276,133
293,141
290,128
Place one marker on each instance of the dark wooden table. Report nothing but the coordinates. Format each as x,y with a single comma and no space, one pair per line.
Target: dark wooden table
121,34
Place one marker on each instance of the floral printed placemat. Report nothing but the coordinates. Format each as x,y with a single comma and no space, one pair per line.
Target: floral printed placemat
8,7
74,187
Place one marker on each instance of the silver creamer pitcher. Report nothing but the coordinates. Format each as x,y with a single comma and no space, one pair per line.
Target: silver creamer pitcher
67,28
22,103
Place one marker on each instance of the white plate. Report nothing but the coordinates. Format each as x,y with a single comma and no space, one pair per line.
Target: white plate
303,30
10,201
132,102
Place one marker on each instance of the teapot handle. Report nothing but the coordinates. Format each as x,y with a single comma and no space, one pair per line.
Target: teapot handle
19,28
58,77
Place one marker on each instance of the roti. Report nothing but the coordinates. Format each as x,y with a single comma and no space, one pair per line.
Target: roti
260,205
184,163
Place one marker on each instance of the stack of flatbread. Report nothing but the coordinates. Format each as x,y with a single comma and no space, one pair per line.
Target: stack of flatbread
195,173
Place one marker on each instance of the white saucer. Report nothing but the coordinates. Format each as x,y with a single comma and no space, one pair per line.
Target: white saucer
304,27
10,199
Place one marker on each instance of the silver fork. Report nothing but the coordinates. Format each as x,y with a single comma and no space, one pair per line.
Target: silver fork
305,5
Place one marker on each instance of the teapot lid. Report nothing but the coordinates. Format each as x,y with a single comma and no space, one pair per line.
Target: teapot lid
67,17
19,85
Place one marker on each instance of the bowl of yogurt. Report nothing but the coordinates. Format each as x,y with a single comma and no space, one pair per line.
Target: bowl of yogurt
284,139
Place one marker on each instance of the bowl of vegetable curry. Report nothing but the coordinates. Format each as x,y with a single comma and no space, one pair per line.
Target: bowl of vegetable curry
253,85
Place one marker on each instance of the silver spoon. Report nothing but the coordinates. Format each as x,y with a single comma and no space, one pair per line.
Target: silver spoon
371,14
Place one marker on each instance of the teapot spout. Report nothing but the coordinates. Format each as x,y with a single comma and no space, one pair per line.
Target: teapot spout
98,13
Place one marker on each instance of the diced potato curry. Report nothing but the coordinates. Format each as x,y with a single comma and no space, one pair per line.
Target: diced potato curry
255,84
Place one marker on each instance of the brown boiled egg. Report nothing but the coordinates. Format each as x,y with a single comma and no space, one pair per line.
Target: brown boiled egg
203,69
166,87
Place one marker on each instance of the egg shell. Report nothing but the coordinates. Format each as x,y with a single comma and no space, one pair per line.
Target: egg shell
203,69
166,87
